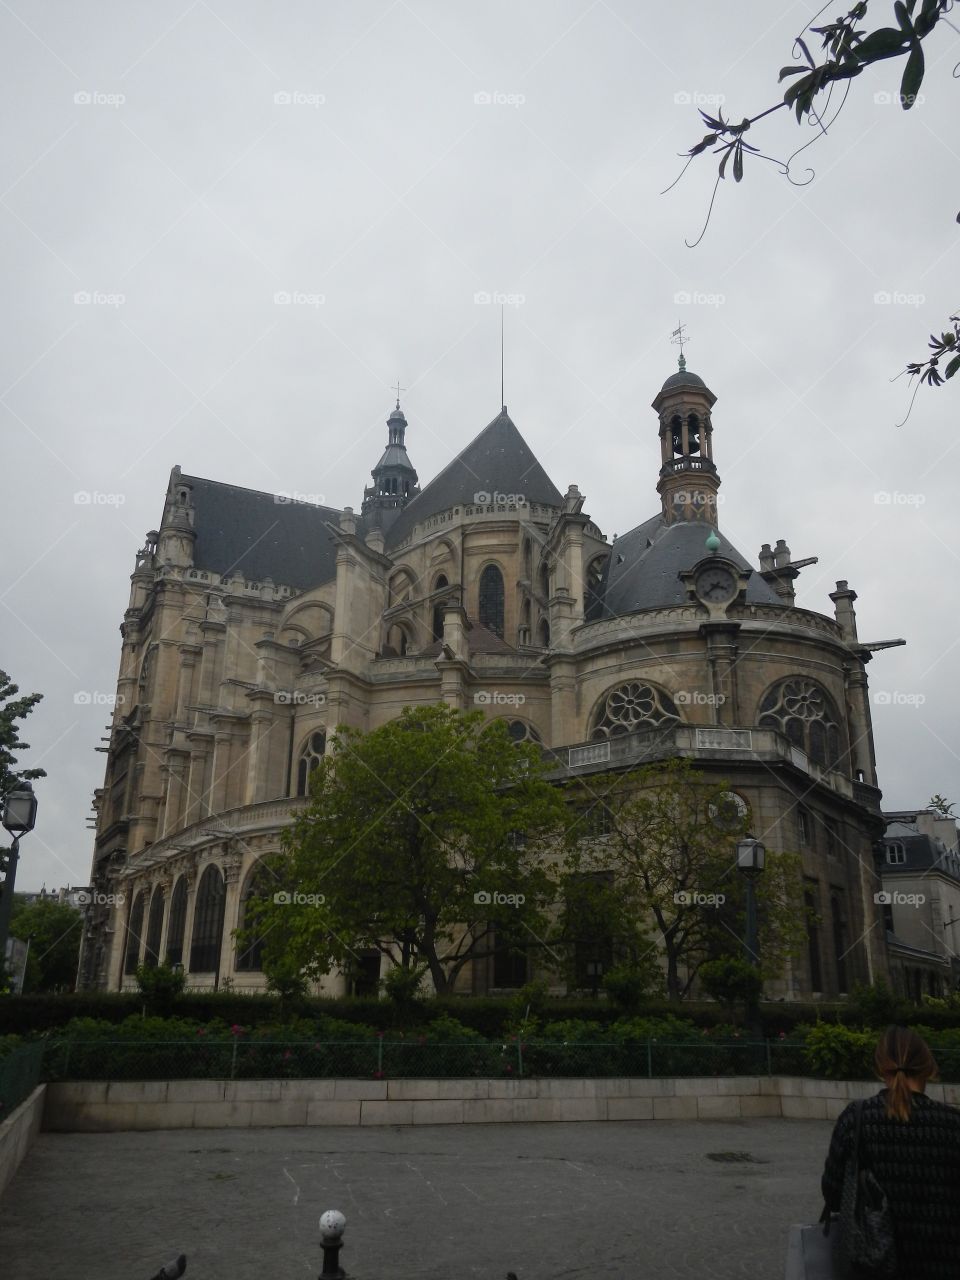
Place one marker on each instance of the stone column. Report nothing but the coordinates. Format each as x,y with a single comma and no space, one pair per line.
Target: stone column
563,700
232,863
722,654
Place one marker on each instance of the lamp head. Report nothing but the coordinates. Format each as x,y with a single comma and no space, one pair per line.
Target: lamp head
20,810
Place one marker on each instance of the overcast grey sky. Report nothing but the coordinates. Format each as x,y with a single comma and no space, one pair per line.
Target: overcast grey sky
383,163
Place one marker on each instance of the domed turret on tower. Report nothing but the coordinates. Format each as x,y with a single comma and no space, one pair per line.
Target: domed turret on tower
394,477
688,481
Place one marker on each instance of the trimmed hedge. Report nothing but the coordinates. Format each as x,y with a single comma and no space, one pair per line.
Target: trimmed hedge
490,1016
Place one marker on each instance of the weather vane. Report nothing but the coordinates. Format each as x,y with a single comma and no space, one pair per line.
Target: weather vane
680,337
398,390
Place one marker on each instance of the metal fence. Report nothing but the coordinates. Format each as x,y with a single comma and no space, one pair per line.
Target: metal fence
20,1073
390,1059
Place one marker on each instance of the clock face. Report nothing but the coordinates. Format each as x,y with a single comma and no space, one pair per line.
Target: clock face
716,585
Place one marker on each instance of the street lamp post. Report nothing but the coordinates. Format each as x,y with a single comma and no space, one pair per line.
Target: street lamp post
751,859
19,817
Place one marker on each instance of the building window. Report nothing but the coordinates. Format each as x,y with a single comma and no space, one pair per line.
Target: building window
543,633
135,933
803,827
896,853
810,896
587,927
839,939
178,923
491,599
310,758
260,885
208,922
520,731
365,979
509,959
832,829
154,929
594,821
630,707
805,714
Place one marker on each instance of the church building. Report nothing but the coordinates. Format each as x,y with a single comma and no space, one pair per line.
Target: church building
257,624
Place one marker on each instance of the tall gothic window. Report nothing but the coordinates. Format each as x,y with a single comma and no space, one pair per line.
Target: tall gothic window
135,932
178,922
813,936
154,929
208,922
491,599
440,583
805,713
633,706
260,886
310,758
839,939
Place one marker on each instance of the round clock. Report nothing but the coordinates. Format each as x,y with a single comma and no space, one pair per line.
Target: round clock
715,585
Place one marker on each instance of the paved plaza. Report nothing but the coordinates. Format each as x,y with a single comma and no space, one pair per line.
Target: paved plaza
651,1199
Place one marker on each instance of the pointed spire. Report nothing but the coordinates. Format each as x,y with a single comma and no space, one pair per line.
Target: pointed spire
394,477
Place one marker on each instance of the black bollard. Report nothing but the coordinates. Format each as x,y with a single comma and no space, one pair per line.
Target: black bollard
332,1225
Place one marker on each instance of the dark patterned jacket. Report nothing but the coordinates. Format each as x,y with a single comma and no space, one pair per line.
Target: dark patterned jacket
917,1162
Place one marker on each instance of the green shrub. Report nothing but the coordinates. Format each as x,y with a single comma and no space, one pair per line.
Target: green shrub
878,1006
631,986
160,986
731,980
840,1053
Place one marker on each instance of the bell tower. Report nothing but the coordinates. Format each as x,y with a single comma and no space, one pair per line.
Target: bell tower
394,479
688,481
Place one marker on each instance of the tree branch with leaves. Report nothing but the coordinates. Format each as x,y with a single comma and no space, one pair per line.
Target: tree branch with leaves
847,48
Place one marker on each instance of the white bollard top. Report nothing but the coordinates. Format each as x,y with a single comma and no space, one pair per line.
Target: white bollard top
332,1224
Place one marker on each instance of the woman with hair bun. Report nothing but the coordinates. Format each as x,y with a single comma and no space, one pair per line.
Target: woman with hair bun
912,1146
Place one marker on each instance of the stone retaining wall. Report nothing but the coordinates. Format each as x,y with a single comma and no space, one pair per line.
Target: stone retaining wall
17,1133
102,1107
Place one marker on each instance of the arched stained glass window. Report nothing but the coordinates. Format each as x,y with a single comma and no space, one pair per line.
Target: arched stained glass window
135,932
154,929
178,922
208,922
806,715
310,758
261,883
491,599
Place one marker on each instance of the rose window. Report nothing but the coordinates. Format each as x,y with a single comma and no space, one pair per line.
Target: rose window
633,706
805,714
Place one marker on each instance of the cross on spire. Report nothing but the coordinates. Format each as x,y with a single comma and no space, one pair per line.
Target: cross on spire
398,390
679,337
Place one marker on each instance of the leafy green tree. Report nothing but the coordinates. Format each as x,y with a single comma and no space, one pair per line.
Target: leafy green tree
817,90
670,850
54,930
942,806
423,838
13,709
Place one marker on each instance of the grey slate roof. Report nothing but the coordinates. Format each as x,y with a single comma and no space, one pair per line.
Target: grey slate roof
644,567
921,851
683,379
498,460
261,537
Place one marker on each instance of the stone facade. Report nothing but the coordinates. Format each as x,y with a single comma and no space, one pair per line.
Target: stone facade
257,625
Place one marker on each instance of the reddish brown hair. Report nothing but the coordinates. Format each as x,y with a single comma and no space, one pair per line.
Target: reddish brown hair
902,1055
